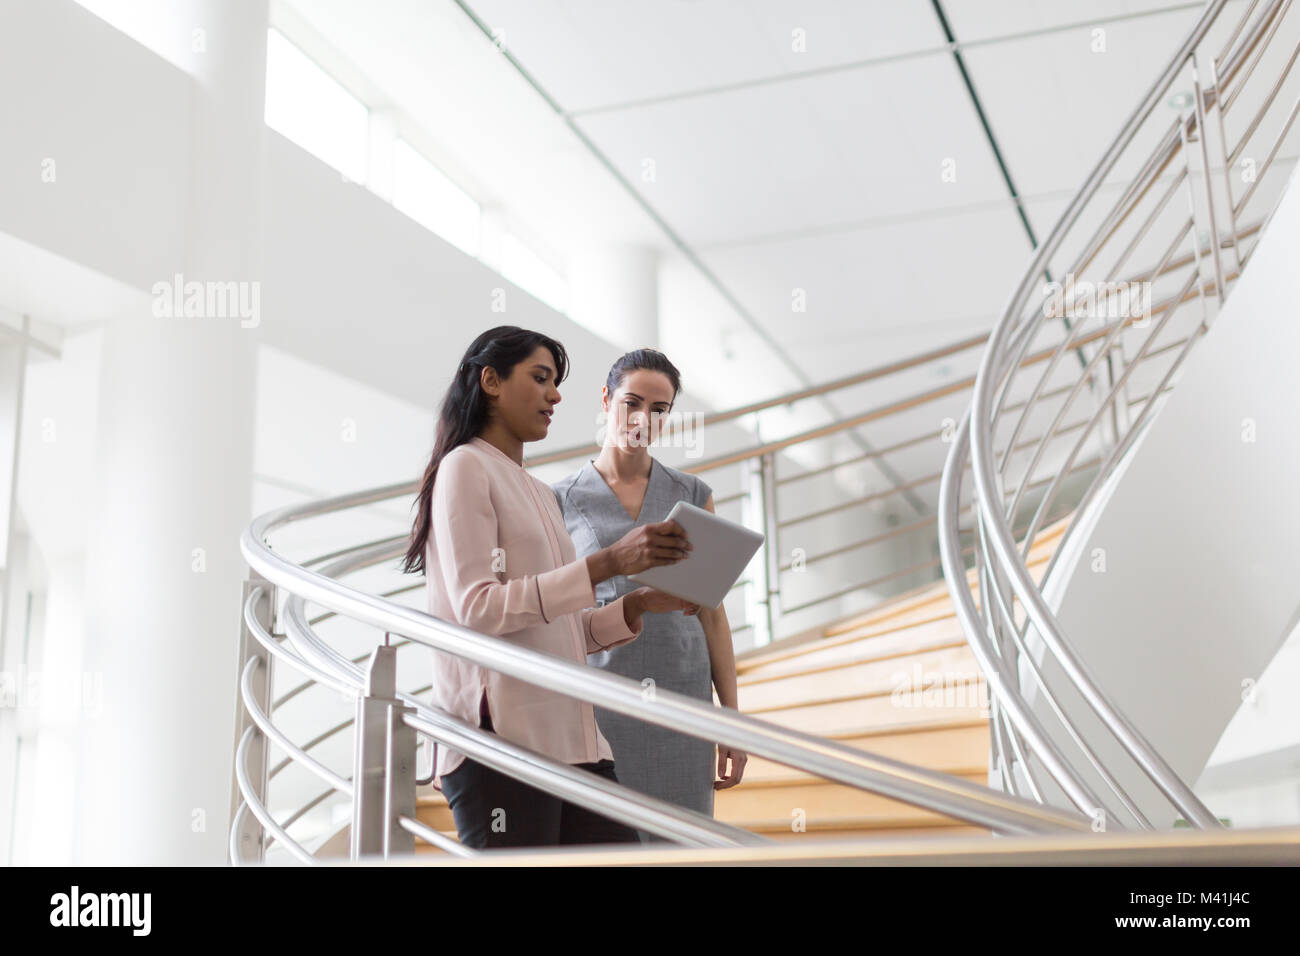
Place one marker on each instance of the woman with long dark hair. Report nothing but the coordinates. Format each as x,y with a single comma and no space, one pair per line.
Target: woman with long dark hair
622,489
492,544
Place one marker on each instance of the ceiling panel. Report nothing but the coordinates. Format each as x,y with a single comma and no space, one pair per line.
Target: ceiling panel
595,53
878,294
807,154
1053,131
981,20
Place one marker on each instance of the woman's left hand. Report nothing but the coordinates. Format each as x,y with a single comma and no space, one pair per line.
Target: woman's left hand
737,758
691,609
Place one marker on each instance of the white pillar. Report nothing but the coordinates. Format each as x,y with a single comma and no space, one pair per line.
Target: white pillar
614,292
174,467
13,360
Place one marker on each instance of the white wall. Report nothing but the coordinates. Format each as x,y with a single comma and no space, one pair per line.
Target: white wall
110,121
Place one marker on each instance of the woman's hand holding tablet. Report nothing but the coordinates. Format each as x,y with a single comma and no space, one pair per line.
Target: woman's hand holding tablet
725,548
648,546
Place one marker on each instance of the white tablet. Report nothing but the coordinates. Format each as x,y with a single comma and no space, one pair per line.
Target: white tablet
720,551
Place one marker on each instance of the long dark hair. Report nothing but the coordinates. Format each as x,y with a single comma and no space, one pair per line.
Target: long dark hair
465,412
650,359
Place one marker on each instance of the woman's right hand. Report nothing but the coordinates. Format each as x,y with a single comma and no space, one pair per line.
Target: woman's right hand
649,601
649,546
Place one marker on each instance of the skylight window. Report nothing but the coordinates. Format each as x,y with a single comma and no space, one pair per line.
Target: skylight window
527,270
424,193
308,106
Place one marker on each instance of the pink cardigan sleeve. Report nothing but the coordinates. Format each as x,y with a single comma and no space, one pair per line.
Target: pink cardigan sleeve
465,532
606,627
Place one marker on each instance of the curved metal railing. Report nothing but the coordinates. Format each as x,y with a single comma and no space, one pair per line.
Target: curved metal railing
390,764
308,653
1170,240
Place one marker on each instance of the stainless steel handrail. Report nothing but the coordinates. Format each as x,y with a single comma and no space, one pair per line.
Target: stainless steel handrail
1272,846
980,420
992,629
657,816
788,398
894,779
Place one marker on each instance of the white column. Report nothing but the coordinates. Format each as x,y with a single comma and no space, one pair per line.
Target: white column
614,291
13,676
174,466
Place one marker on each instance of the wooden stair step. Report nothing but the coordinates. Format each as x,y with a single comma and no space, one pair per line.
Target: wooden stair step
939,615
916,709
422,847
936,600
817,800
934,668
433,812
771,775
937,605
853,828
960,749
938,631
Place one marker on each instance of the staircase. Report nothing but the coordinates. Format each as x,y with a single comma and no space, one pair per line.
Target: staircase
855,685
849,691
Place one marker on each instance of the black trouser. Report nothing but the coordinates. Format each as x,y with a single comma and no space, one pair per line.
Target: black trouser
494,810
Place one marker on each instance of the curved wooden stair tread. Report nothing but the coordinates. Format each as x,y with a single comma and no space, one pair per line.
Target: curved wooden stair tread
868,678
882,827
930,634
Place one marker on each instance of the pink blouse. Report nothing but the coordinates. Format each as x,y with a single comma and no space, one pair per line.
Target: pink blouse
500,561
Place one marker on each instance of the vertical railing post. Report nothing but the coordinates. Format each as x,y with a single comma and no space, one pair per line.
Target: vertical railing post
1203,138
772,556
764,589
1226,156
1114,424
251,839
1123,415
383,779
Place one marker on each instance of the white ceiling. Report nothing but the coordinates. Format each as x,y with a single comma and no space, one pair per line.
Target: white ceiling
819,170
633,51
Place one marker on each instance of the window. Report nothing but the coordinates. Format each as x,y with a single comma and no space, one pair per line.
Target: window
526,269
308,106
422,192
311,108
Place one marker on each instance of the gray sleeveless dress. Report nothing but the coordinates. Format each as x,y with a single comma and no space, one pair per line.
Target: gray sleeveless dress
671,650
